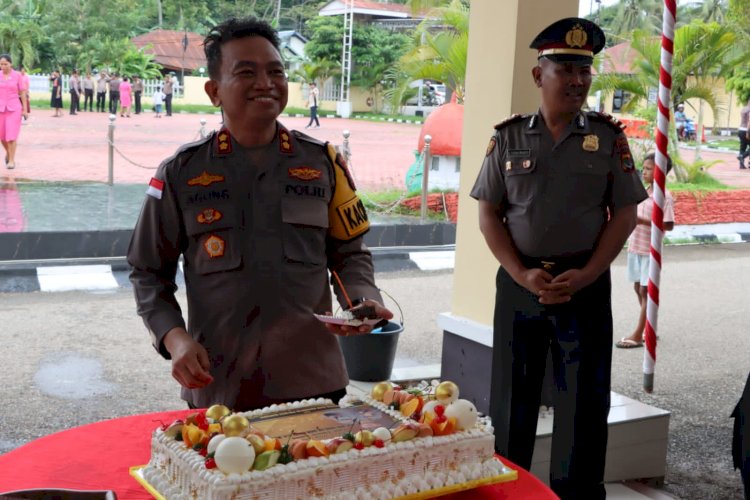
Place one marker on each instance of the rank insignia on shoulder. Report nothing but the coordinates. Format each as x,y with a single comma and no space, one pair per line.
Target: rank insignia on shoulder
285,143
304,173
511,119
209,216
609,119
622,149
591,143
223,142
214,246
205,179
491,146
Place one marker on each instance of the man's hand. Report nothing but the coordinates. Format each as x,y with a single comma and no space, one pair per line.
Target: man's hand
345,330
564,286
190,363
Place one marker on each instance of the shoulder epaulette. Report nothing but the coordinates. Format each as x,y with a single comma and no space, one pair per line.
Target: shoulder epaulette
608,119
304,137
511,119
196,144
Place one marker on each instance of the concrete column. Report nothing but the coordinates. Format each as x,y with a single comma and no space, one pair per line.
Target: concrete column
498,84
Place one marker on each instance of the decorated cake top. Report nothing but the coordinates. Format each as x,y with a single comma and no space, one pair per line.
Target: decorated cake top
305,430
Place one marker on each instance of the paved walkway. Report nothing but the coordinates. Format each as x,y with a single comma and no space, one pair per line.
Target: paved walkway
74,148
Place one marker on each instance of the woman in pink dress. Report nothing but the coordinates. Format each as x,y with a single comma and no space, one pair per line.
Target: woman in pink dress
125,97
12,107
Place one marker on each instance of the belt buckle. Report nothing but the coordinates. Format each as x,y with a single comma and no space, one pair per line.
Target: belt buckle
547,265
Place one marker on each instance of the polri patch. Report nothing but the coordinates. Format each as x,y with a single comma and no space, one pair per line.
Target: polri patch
205,179
622,149
342,163
214,246
209,216
304,173
491,146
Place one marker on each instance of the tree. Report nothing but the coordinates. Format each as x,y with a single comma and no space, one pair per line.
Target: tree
439,51
702,54
20,38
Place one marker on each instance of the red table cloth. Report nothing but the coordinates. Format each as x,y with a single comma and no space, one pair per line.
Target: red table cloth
98,456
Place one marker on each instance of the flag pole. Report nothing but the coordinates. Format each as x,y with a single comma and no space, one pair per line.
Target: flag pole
658,186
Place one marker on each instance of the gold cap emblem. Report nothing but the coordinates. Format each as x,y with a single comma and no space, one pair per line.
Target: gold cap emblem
576,37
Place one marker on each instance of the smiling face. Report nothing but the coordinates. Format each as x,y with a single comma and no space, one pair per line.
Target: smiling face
251,87
565,86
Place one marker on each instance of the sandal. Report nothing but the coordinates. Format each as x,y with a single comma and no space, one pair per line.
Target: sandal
10,166
626,343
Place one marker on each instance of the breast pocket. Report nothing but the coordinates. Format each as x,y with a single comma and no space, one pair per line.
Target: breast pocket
520,181
215,240
304,230
590,178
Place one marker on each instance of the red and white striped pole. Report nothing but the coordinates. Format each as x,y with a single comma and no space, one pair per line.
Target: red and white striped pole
660,174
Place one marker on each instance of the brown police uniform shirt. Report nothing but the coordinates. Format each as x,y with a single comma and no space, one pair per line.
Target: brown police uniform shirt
556,195
255,227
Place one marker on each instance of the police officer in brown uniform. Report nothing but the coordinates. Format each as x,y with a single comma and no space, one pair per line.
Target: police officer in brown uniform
259,215
557,200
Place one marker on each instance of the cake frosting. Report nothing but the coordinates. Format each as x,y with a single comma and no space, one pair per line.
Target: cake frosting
392,469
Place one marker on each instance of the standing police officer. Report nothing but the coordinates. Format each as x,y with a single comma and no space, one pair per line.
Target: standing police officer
259,215
557,200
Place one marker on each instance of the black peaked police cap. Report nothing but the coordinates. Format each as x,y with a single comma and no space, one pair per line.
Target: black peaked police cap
571,40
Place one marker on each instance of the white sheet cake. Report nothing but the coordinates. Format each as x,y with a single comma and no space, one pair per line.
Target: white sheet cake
404,466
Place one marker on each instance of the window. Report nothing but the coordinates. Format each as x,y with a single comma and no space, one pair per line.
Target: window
619,100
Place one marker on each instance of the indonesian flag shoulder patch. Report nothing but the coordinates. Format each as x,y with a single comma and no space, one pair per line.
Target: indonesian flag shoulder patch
155,188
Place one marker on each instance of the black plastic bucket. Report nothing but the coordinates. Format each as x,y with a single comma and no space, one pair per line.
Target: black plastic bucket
370,357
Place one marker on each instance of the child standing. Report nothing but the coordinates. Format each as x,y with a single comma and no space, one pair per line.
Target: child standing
639,248
158,100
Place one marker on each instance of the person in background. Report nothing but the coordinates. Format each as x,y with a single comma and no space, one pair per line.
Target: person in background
744,134
88,92
168,90
639,248
56,100
312,103
680,120
137,93
101,92
158,101
126,97
557,199
253,203
74,87
12,108
27,86
114,93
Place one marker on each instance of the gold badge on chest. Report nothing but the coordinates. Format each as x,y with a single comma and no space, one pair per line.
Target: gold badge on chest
591,143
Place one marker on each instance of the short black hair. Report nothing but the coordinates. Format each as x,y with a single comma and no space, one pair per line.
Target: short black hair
6,57
233,29
652,157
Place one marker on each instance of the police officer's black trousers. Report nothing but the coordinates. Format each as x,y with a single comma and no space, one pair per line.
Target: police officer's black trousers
578,336
101,97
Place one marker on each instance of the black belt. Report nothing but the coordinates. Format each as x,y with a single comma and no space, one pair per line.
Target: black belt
556,265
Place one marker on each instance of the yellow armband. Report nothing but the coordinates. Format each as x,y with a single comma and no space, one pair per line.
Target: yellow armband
347,217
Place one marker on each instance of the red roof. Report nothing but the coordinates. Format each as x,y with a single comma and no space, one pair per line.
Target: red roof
619,59
445,125
166,45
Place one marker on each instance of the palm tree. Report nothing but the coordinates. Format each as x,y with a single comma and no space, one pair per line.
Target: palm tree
20,39
439,53
703,53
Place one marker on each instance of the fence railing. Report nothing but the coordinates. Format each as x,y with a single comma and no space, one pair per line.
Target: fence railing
41,83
